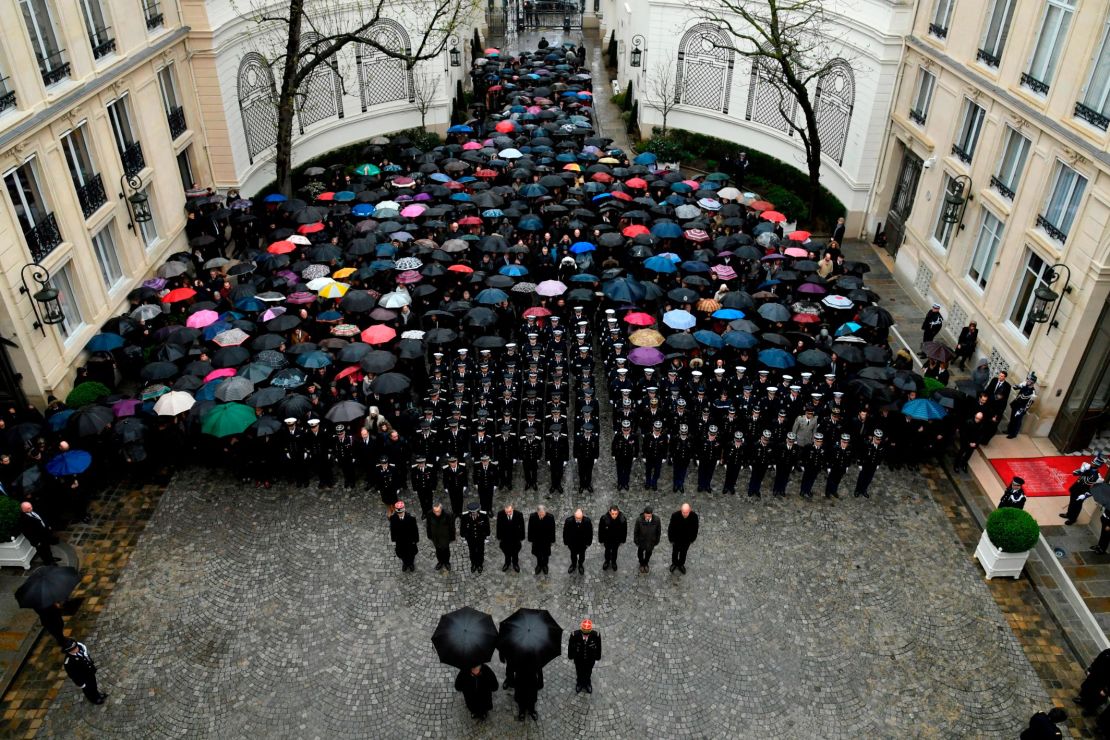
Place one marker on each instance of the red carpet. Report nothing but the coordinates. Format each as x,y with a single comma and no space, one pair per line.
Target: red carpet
1044,476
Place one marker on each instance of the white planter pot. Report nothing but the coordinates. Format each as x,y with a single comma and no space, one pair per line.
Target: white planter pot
17,552
998,563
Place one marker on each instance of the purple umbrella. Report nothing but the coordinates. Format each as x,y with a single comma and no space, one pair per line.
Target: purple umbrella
773,257
126,407
155,283
811,288
645,356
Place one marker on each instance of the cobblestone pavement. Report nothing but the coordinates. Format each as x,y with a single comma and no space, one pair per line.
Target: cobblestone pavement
285,611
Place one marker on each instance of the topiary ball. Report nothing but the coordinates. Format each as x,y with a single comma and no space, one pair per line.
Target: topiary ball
1012,530
9,518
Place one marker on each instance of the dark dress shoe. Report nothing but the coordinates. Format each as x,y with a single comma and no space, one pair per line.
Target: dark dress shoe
538,569
605,566
614,564
582,569
589,689
505,567
570,569
682,569
534,716
673,567
516,567
520,717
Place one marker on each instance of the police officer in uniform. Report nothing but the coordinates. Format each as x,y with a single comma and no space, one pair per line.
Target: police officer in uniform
485,480
293,453
587,448
531,452
584,649
838,461
1086,478
709,455
682,450
624,450
785,461
343,452
474,528
1014,495
654,453
387,482
455,482
557,452
736,456
423,478
812,460
869,460
80,668
762,457
505,453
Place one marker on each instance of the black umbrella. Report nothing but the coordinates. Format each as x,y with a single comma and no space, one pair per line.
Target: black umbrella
296,405
681,341
264,397
230,357
465,638
813,358
440,336
390,384
378,361
937,351
1101,494
682,295
47,585
357,301
158,371
345,412
875,316
530,637
91,420
847,352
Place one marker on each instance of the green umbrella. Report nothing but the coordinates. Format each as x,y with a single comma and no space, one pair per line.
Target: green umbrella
227,419
367,170
86,393
932,384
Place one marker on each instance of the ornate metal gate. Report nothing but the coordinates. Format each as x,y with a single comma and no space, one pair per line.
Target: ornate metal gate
905,190
383,78
836,96
705,62
257,103
320,95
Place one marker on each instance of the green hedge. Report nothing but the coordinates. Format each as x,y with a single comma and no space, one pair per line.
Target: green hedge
779,182
9,518
1012,530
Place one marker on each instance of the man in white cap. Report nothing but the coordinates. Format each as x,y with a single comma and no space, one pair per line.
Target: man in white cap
292,451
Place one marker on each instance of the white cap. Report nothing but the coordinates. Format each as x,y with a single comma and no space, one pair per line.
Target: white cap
314,422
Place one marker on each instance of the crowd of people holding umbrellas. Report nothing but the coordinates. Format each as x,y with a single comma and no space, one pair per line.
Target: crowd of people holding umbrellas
428,312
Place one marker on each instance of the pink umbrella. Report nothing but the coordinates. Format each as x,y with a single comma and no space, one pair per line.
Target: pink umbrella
409,276
693,184
412,211
812,288
645,356
223,372
724,272
201,319
378,334
301,297
551,288
273,313
796,252
471,145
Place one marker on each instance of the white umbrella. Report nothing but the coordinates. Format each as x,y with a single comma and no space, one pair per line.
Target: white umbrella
728,194
407,263
510,154
146,312
837,301
298,239
396,299
174,403
413,334
388,204
319,283
551,288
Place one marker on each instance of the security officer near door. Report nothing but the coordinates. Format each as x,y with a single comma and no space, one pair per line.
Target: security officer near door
584,649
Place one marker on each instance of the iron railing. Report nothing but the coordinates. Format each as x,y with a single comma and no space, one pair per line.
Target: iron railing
917,117
1091,116
962,154
7,96
1002,187
132,158
1034,84
178,125
987,58
91,195
1051,229
938,30
53,68
44,237
101,48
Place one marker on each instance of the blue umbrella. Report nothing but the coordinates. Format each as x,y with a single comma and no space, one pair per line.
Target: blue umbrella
314,360
493,213
514,270
660,264
58,421
666,230
679,319
530,223
207,392
624,289
491,296
274,198
363,209
924,410
740,339
533,190
581,247
709,339
104,342
728,314
73,462
460,129
695,266
850,327
344,196
645,158
212,330
250,304
584,277
777,358
439,177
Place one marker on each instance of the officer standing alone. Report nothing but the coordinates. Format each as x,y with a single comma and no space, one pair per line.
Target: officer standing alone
584,649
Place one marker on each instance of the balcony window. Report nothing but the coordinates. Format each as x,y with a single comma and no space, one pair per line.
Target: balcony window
942,232
1015,151
970,128
44,40
152,11
38,224
64,281
986,249
1064,198
942,16
104,246
86,180
923,96
171,103
96,23
1032,276
1094,108
995,32
1051,37
7,94
130,151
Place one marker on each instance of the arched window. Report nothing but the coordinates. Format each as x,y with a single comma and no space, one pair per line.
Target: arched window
257,103
768,102
705,62
319,96
836,96
382,78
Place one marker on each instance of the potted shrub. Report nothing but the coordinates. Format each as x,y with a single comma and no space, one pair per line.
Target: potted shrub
14,547
1004,547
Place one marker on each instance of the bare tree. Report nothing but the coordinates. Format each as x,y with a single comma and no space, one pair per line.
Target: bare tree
334,25
661,95
425,87
787,42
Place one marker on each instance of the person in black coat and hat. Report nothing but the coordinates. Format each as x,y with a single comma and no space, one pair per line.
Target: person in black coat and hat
612,532
477,685
80,668
584,649
404,533
1086,478
1014,495
510,535
646,535
474,528
440,526
527,682
541,533
35,529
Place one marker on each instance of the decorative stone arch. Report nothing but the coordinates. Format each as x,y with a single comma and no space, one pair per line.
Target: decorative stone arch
835,99
320,96
382,78
706,59
257,103
768,103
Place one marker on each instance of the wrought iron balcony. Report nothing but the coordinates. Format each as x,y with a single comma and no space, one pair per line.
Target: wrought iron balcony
91,195
962,154
44,237
178,126
104,47
917,117
7,97
1091,116
1051,230
1034,84
1002,188
132,158
54,68
154,17
987,58
939,31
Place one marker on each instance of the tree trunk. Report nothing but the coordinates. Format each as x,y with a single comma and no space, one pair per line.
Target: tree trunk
813,153
286,102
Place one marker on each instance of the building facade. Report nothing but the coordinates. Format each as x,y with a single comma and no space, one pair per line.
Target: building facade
720,93
994,191
97,105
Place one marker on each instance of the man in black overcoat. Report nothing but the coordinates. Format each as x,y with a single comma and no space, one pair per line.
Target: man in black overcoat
404,533
510,535
477,685
584,649
682,532
578,535
612,532
541,533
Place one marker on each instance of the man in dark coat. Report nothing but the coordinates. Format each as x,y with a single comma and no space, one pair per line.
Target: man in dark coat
53,622
440,528
505,453
931,326
35,529
612,532
1093,690
317,448
404,533
1042,725
682,450
972,432
578,535
998,395
80,668
510,535
343,453
388,482
870,457
646,535
709,454
584,649
474,528
785,462
624,449
541,533
293,453
761,458
654,453
1014,495
812,461
682,532
839,459
477,685
528,682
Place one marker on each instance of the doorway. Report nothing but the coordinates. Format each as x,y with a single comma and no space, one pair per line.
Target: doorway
901,205
1084,414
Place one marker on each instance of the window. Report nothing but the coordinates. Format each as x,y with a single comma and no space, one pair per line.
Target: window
923,97
175,114
96,23
40,28
86,180
1050,42
942,233
942,15
1015,151
995,32
185,168
104,246
38,224
986,249
72,320
7,94
1035,273
152,11
130,151
149,229
1094,108
970,128
1063,202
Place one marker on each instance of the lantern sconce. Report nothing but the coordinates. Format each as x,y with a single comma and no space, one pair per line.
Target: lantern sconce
955,200
637,54
1046,299
138,203
454,53
44,301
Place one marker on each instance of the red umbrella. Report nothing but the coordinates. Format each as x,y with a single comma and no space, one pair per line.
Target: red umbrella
378,334
773,216
310,228
282,247
798,236
639,318
505,127
470,221
464,269
538,311
635,230
636,182
352,370
806,318
761,205
179,294
602,177
620,195
486,173
326,196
